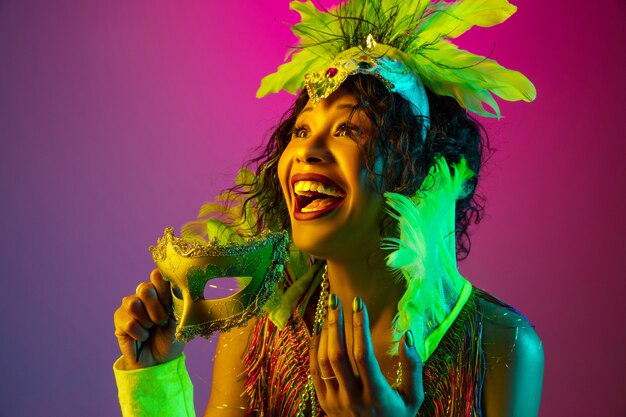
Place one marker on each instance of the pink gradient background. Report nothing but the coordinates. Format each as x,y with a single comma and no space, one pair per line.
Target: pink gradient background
119,118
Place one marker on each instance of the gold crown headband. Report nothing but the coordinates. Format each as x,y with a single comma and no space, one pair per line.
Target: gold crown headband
404,43
374,59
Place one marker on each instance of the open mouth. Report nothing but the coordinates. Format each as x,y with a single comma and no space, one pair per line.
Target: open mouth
315,196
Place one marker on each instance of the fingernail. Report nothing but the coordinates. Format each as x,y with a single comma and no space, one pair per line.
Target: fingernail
408,338
333,301
357,304
164,323
138,347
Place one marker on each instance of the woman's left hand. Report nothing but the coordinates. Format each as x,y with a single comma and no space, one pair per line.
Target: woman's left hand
340,391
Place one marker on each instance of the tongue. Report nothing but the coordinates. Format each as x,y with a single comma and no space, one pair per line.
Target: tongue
318,204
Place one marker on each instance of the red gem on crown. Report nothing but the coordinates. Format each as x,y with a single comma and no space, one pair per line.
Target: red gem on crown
331,72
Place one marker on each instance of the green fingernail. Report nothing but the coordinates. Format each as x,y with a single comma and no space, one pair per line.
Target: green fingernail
408,338
333,301
317,328
357,304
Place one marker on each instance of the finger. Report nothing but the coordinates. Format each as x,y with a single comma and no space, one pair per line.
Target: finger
162,287
135,308
127,347
314,367
327,374
127,328
411,388
148,296
337,349
363,349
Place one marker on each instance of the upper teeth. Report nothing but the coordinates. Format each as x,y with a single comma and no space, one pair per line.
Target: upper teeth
301,187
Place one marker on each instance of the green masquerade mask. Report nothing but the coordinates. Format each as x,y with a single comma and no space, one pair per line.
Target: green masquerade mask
189,267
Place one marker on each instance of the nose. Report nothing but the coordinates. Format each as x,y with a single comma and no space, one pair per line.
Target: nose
314,150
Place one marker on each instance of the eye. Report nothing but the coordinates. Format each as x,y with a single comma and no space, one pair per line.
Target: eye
350,131
300,131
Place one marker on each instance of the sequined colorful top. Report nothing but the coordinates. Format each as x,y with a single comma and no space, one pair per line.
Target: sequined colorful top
278,361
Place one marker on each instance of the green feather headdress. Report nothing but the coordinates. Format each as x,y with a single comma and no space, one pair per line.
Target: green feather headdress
415,35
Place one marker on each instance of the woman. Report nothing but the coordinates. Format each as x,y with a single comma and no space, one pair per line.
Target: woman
363,316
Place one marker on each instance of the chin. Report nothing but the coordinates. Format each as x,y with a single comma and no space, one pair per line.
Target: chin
310,241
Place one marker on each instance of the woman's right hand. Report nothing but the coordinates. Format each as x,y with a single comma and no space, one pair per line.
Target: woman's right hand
145,317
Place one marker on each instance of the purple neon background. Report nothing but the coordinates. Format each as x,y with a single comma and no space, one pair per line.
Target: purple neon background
119,118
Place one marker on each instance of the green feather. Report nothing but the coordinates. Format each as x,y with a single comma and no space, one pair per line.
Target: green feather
425,250
289,76
457,18
470,78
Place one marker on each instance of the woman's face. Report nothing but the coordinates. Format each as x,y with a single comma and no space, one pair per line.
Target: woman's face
334,209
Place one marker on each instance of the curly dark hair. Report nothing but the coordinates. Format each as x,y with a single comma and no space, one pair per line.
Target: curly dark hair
397,139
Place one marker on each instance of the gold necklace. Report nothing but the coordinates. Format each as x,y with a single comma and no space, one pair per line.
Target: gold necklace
309,395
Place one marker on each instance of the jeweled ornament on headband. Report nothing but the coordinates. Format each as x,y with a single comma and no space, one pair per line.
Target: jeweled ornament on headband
189,267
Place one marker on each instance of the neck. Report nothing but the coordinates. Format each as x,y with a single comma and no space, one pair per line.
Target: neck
369,278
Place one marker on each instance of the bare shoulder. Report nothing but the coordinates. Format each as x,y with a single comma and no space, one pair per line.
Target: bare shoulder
514,361
506,331
228,383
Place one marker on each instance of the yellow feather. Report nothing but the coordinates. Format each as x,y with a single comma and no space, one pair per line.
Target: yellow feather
209,208
470,78
289,75
221,232
459,17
